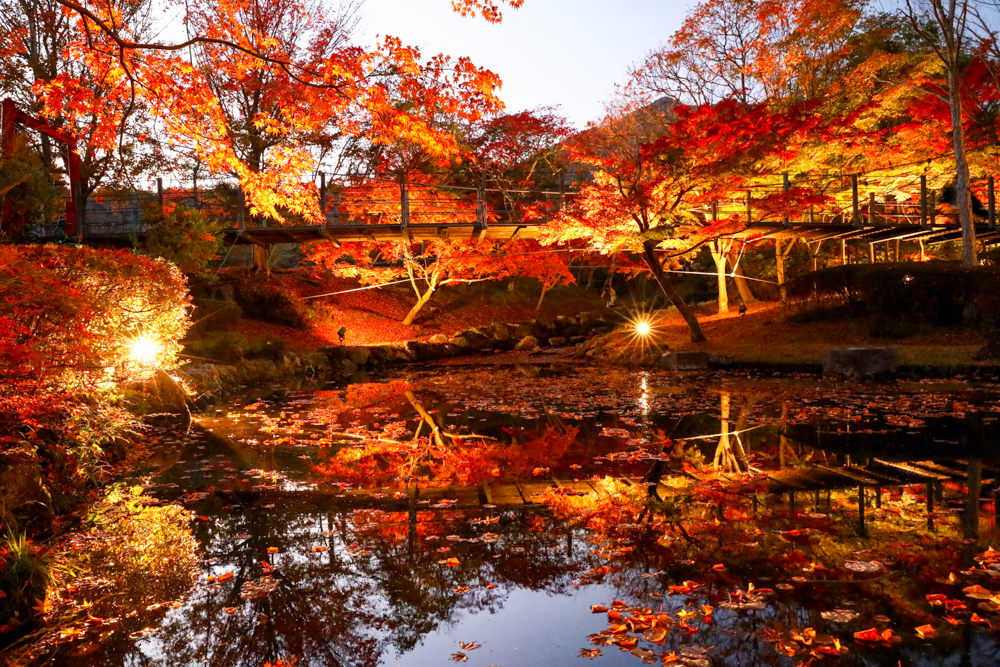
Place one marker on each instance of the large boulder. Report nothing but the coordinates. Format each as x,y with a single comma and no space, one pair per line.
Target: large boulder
684,360
861,362
526,344
359,355
525,329
24,500
438,339
502,332
168,399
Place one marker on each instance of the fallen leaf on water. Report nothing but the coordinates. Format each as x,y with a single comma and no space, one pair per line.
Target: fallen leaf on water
598,609
590,653
670,657
225,577
468,646
453,562
459,657
839,615
977,592
718,567
924,631
272,550
319,549
976,618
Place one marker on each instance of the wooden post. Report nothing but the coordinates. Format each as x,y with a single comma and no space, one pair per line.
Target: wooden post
991,203
930,506
481,202
871,253
241,209
856,212
749,214
159,194
786,185
861,511
322,196
871,208
923,200
404,201
843,251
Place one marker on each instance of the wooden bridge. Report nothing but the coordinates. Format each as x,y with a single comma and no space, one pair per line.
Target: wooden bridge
880,214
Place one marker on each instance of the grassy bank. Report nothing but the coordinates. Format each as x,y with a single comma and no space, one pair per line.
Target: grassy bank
764,334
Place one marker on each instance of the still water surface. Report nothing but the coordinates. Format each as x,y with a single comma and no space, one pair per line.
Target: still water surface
404,521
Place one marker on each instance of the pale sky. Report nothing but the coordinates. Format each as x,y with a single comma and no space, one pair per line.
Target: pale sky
569,53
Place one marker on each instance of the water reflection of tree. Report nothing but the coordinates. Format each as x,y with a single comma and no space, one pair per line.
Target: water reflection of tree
331,608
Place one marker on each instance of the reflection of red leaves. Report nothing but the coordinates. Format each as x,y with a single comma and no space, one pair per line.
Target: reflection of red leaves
872,635
976,618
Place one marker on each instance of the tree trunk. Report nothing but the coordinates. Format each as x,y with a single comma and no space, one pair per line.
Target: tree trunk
261,259
962,195
538,306
779,258
667,286
742,285
719,257
421,302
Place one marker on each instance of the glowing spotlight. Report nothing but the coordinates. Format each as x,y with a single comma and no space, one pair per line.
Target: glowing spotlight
144,351
643,328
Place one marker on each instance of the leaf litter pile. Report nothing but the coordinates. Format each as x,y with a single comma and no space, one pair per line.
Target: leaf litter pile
333,523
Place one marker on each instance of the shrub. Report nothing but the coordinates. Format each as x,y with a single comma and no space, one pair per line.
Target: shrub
226,346
267,301
69,321
24,580
213,315
183,236
934,293
268,347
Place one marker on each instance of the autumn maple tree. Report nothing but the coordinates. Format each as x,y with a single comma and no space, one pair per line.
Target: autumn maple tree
429,266
258,86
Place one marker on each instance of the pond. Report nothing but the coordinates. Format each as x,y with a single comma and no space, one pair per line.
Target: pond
498,512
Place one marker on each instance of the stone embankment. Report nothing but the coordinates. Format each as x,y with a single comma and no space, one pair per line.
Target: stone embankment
210,382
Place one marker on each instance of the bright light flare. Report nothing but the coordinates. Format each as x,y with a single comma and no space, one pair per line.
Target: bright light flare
145,351
643,328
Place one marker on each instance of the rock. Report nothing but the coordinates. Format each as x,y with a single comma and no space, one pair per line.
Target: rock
857,362
557,341
536,350
526,343
459,341
350,368
501,332
576,340
719,361
992,348
684,361
23,495
524,330
529,370
438,339
359,355
168,398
